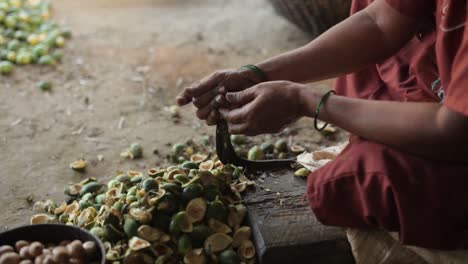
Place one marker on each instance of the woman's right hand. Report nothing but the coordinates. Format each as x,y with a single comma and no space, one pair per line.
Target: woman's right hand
208,94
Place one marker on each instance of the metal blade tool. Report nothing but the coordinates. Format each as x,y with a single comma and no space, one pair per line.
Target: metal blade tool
227,154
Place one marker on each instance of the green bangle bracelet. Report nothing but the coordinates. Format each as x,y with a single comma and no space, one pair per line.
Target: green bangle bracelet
319,107
259,72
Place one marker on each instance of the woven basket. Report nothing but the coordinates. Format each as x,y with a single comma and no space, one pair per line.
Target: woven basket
313,16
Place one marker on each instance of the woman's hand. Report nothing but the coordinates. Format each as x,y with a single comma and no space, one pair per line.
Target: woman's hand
265,108
208,94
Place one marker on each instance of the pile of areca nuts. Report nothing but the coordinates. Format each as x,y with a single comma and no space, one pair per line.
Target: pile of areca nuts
70,252
28,35
191,212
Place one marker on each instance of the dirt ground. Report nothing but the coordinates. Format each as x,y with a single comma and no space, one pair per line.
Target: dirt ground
125,63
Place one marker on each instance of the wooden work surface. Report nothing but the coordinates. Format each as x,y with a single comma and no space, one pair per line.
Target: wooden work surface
284,227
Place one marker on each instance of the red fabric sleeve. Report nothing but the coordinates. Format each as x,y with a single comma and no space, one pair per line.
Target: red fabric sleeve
457,91
413,8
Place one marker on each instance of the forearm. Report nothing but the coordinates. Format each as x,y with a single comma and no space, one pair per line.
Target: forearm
418,128
360,40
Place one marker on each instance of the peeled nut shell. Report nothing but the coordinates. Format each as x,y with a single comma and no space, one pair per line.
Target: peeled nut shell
242,234
196,210
10,258
217,242
246,250
5,249
90,248
35,249
297,149
218,226
195,256
302,172
41,219
149,233
137,243
75,249
60,254
39,259
20,243
79,165
48,259
26,261
24,253
77,261
206,165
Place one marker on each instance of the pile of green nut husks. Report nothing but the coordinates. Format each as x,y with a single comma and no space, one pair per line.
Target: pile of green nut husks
244,147
188,213
27,35
267,150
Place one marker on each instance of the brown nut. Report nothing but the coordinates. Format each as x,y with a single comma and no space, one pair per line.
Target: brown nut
39,259
10,258
24,253
26,261
77,261
64,242
19,244
75,249
60,254
90,248
5,249
35,249
48,260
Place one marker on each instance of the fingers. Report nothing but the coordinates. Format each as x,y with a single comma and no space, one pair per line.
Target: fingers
183,98
199,88
242,97
203,91
206,84
238,128
205,98
219,101
235,116
212,118
204,112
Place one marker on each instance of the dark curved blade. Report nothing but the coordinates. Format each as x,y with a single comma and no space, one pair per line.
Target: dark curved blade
227,154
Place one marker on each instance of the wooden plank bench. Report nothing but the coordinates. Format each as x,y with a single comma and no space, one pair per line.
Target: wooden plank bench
285,229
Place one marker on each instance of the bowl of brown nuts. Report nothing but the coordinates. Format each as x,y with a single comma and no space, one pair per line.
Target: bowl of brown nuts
50,244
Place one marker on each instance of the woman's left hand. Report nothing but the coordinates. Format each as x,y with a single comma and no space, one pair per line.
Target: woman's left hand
265,108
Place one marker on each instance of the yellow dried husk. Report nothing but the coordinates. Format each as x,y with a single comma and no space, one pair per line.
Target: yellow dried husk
218,226
149,233
198,158
136,243
217,242
195,256
246,250
196,210
242,234
206,165
41,219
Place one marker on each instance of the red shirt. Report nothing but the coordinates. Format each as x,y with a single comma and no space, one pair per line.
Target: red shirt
451,45
406,76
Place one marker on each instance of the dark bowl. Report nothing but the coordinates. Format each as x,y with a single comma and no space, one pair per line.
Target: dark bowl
51,233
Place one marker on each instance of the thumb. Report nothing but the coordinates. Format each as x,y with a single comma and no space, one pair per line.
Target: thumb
242,97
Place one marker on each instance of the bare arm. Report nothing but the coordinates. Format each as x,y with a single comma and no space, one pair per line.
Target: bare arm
426,129
364,38
368,36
